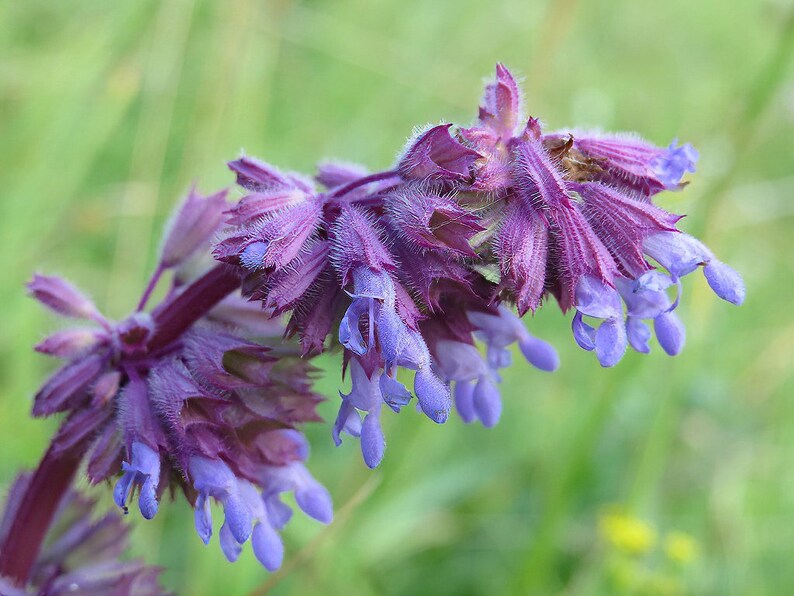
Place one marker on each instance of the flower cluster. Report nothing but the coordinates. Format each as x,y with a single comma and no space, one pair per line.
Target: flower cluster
210,410
406,268
417,272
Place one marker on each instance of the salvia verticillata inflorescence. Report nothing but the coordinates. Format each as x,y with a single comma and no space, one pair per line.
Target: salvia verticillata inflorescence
408,268
211,410
419,273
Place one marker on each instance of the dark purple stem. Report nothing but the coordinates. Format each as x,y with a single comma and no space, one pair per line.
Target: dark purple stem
175,316
42,496
374,199
350,186
150,288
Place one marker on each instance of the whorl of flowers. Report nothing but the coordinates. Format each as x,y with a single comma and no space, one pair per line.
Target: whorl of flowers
211,410
410,270
406,268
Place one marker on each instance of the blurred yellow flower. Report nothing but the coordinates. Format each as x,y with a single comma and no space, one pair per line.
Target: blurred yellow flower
627,533
680,547
662,585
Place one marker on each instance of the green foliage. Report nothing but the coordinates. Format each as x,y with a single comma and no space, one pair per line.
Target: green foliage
109,112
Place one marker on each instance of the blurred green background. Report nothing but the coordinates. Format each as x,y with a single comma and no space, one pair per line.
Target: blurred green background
661,476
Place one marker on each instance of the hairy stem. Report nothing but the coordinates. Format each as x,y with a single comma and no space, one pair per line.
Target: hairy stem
351,186
175,316
151,286
39,503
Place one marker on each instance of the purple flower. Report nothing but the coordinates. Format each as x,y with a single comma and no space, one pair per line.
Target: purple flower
388,343
670,332
365,396
476,396
629,162
143,472
476,378
598,300
311,496
499,330
253,509
213,478
265,540
681,254
674,163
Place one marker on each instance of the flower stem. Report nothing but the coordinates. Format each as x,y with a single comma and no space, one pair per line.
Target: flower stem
175,316
39,503
151,286
351,186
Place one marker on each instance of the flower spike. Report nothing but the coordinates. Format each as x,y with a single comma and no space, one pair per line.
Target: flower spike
419,276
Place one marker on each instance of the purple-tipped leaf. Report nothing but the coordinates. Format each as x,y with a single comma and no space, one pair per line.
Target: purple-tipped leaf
373,444
610,342
433,395
487,402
